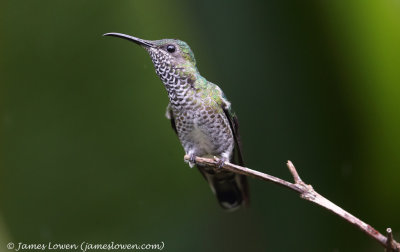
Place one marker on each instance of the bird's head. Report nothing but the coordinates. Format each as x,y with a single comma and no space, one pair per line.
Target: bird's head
165,53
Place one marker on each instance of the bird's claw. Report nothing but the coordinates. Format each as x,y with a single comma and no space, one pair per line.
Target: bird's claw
220,162
192,160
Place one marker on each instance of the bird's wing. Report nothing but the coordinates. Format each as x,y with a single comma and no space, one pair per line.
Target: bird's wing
237,152
234,124
170,116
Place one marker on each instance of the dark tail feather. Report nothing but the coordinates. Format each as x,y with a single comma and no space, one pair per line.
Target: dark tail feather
230,188
229,194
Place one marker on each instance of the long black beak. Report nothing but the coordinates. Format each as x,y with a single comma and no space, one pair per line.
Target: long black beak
130,38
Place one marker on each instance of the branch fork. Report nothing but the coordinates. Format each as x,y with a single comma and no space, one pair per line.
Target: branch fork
308,193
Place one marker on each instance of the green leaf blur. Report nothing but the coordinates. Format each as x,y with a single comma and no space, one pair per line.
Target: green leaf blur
87,154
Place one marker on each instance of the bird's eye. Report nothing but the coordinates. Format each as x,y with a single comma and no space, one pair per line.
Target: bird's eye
171,48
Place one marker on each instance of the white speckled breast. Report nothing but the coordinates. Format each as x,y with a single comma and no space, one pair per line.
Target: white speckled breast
202,129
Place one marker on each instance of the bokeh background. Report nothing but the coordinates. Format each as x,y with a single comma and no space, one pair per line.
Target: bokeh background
87,154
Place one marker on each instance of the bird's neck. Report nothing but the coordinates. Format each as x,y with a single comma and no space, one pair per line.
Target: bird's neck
179,83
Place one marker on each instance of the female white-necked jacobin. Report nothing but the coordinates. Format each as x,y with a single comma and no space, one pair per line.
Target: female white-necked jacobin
201,116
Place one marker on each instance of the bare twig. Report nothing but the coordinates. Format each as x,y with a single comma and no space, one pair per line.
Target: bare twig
390,242
307,192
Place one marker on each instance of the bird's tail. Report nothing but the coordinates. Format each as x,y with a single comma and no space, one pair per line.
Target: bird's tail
231,189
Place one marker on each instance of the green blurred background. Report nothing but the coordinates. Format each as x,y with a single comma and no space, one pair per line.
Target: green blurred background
87,154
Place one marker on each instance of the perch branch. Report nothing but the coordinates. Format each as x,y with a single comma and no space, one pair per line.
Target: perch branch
308,193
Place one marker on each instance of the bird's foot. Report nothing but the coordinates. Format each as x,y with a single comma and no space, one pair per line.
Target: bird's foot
220,162
192,160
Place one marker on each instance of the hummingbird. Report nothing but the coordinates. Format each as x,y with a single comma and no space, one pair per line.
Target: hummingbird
200,115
